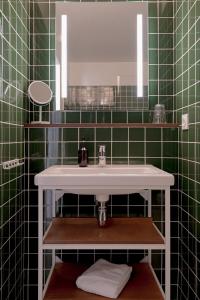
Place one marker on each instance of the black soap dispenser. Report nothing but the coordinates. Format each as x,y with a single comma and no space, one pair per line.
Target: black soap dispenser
83,154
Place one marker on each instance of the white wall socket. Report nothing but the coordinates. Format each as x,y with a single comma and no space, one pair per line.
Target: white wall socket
185,122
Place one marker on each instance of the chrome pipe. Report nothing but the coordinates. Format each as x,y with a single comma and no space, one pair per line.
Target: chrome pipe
102,214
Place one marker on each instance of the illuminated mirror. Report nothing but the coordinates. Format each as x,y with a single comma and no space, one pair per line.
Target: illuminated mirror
101,56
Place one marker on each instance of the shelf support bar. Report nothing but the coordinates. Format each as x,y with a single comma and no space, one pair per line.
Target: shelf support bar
167,243
149,215
53,216
40,238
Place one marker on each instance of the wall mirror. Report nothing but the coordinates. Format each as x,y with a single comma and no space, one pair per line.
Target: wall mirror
101,56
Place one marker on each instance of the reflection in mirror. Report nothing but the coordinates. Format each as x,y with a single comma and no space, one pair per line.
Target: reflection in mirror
101,56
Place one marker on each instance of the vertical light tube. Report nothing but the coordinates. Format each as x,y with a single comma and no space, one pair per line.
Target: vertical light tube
139,55
58,104
64,56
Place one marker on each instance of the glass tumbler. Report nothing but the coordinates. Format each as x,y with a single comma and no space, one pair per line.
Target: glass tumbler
159,115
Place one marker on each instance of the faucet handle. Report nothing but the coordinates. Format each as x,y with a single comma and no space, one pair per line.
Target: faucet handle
102,150
102,155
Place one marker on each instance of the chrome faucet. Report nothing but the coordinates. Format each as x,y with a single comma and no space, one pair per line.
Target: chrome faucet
102,155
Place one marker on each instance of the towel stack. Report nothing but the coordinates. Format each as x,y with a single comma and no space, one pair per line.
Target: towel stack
104,278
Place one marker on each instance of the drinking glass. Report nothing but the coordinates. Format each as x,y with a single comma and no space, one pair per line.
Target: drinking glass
159,115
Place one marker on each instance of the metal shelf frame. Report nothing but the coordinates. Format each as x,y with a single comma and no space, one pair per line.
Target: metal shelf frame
57,192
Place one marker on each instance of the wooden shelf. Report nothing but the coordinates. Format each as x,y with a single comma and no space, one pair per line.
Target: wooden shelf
102,125
134,231
62,286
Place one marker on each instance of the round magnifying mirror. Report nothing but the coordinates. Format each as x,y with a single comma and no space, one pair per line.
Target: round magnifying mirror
40,94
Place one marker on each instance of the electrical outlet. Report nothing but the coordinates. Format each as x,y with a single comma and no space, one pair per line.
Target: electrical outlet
185,122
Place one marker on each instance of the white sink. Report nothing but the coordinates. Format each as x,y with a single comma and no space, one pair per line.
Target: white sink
102,171
104,181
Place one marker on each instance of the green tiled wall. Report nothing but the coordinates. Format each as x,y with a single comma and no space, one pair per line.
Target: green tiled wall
187,91
14,76
171,56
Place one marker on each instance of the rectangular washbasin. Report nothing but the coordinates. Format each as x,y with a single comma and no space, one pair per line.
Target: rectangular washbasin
103,171
113,179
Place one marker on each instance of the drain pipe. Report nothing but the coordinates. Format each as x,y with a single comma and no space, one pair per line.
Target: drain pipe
102,209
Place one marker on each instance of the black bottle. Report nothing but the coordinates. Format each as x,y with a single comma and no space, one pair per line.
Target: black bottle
83,154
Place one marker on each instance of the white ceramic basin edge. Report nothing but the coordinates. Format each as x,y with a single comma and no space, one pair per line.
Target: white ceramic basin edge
112,179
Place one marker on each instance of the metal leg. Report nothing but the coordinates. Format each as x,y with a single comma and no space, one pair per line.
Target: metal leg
167,245
40,238
149,215
53,216
149,204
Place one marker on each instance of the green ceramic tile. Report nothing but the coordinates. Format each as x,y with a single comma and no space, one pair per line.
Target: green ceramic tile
91,151
5,8
153,100
87,133
166,56
69,161
120,161
153,72
41,43
134,117
166,40
165,25
5,133
53,134
70,134
70,149
103,134
170,134
153,41
197,188
153,134
152,9
136,134
72,117
153,149
120,134
137,160
36,134
170,165
119,149
191,208
12,134
53,149
37,150
192,154
136,149
88,117
103,117
153,25
192,170
153,87
119,117
153,56
166,72
154,161
192,130
37,165
166,9
170,149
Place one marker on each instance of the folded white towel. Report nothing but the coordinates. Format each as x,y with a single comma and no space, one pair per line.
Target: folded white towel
104,278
